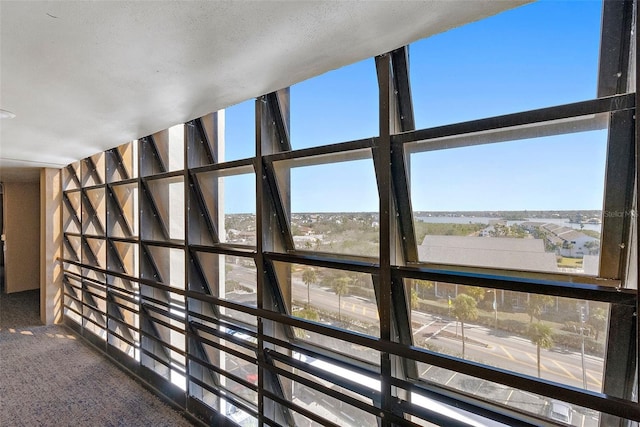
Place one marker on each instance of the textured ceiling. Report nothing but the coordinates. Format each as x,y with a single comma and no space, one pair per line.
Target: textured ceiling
83,77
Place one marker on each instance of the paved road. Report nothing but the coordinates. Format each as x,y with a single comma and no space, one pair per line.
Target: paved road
484,345
497,348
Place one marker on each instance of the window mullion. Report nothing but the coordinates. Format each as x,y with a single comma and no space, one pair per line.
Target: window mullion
618,194
387,230
620,366
614,47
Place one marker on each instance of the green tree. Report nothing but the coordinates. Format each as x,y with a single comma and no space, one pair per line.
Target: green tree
414,299
593,246
358,279
553,247
542,336
598,320
341,287
421,286
465,309
568,245
309,314
536,305
499,230
232,285
309,276
474,291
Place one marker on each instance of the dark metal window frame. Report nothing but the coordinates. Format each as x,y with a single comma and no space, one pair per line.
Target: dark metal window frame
396,262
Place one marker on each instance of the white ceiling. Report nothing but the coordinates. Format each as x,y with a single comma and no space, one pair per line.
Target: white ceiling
83,77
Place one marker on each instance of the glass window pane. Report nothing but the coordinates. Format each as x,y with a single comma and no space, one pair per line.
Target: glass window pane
71,212
534,404
235,366
506,329
123,320
240,280
224,276
333,297
447,412
163,209
72,251
238,131
94,212
338,106
123,210
71,176
357,385
532,56
73,298
299,419
163,265
334,206
122,162
240,212
94,308
94,254
229,198
163,151
341,298
125,284
93,170
531,203
155,325
237,415
123,258
329,407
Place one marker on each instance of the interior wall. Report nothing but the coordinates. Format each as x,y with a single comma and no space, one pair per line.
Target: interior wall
22,236
1,226
50,246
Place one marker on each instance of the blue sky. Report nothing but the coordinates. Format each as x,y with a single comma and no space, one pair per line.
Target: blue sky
537,55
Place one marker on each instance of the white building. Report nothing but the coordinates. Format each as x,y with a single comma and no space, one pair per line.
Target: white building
571,243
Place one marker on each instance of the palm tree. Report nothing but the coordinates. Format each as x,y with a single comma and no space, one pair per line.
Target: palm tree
341,287
598,320
465,309
542,336
536,304
421,286
414,299
593,246
309,276
474,291
568,245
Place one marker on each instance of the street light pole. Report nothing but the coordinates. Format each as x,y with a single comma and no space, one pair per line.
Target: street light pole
584,372
495,308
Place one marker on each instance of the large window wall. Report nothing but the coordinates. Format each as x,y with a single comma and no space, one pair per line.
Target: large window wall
253,268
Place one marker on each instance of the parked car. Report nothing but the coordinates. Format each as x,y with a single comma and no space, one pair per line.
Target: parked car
560,411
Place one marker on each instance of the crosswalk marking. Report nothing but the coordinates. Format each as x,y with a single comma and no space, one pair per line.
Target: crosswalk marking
449,380
506,402
507,353
535,359
564,370
597,381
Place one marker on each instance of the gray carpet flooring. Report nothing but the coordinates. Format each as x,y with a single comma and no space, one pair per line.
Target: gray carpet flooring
50,377
20,310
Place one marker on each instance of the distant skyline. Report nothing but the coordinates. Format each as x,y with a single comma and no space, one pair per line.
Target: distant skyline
533,56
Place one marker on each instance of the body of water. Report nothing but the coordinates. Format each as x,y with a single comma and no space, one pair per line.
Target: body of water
485,220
